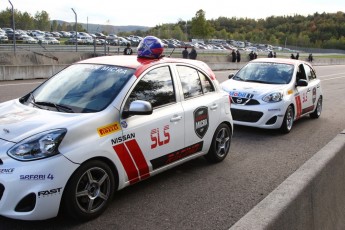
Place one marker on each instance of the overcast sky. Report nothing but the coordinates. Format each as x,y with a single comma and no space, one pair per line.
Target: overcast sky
154,12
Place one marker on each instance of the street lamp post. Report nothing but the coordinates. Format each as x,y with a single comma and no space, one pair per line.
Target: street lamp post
76,32
13,27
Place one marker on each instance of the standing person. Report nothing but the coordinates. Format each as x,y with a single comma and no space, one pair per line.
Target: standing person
193,54
255,55
274,54
292,56
238,56
185,53
270,54
297,56
310,58
233,54
128,50
251,55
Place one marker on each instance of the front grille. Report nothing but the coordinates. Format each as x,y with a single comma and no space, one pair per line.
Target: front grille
245,115
244,101
2,189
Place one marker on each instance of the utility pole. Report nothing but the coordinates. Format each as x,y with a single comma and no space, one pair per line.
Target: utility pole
13,28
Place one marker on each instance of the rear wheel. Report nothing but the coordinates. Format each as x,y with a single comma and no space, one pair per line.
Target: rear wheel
318,109
89,191
288,120
220,144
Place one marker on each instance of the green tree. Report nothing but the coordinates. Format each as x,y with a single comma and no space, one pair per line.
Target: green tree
42,21
200,27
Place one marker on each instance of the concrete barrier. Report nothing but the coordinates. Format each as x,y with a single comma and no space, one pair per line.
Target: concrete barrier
311,198
31,65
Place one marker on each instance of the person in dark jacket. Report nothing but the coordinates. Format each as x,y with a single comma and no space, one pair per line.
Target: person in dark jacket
193,54
251,55
292,56
297,56
238,56
185,53
128,50
233,54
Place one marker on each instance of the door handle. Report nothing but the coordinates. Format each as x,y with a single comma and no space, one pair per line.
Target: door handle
175,118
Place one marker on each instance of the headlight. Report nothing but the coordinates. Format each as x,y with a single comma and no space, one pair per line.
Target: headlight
273,97
38,146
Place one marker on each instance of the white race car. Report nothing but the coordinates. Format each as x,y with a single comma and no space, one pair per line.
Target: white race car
272,93
103,124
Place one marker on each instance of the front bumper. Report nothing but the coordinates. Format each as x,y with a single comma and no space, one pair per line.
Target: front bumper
32,190
267,116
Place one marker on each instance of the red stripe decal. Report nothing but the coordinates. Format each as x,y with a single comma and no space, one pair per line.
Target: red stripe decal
139,158
299,106
127,162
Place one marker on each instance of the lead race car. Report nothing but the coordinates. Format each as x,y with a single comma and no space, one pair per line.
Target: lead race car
103,124
272,93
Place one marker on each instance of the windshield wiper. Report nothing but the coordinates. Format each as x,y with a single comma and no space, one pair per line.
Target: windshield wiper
258,81
57,106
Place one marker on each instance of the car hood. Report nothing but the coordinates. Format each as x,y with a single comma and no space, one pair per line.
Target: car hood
255,90
18,121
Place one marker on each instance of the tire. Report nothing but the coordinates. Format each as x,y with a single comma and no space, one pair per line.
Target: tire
89,191
317,112
220,145
288,120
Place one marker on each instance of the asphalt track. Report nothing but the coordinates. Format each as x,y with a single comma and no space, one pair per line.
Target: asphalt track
197,195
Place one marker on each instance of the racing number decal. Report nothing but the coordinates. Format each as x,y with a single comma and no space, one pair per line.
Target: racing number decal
156,139
132,160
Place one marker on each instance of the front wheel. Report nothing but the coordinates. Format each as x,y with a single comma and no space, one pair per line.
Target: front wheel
288,120
220,144
317,112
89,191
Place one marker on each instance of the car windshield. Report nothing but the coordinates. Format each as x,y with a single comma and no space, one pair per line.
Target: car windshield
80,88
267,73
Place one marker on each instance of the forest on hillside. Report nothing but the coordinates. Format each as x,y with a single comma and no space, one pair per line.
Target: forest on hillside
325,30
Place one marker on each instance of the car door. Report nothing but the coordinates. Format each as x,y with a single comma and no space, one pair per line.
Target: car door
201,105
149,140
314,87
303,95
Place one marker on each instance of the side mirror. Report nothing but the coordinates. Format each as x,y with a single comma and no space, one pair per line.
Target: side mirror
231,76
138,107
302,82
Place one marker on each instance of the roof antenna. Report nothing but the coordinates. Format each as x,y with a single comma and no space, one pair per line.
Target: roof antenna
171,52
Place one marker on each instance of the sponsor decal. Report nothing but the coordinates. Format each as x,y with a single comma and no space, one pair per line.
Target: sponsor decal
241,94
177,155
51,192
314,95
308,109
124,124
7,171
37,177
132,158
108,129
123,138
156,138
201,121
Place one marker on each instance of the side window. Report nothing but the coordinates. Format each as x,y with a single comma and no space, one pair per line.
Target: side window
156,87
194,83
206,83
309,72
301,73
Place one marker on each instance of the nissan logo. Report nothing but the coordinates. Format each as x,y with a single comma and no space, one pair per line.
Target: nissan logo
239,100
